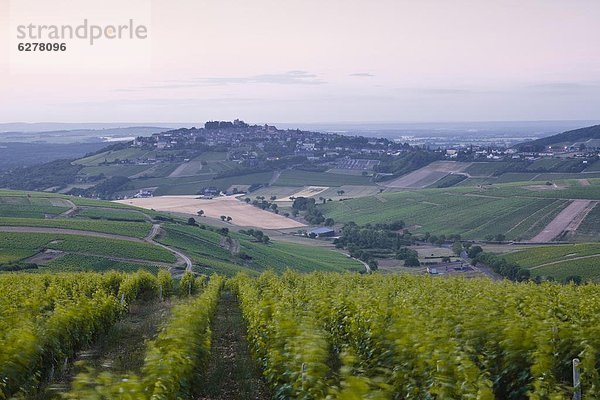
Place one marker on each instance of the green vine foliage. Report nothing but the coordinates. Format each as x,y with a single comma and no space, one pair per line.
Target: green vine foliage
343,336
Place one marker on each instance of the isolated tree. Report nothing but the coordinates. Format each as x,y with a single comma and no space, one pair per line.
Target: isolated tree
412,261
247,200
192,221
500,237
457,248
373,264
273,198
223,218
266,239
229,219
474,251
200,213
340,192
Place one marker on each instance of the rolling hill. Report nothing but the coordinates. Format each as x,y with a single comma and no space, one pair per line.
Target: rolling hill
568,138
50,232
517,210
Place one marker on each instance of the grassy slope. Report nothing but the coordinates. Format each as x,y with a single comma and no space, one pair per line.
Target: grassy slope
590,226
511,209
581,259
82,244
112,214
132,229
304,178
203,246
78,263
30,207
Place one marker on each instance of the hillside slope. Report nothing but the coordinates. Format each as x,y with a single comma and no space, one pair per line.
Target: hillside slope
50,232
565,138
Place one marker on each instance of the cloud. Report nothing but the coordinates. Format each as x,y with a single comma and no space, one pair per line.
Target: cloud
285,78
170,102
362,75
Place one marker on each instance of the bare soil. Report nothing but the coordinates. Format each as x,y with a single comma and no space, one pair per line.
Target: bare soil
428,175
567,220
231,372
242,214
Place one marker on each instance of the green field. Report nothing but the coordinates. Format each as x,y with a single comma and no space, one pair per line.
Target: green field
29,211
114,170
203,246
587,269
30,207
112,214
590,226
510,177
193,184
280,256
85,202
34,242
132,229
440,213
8,255
79,263
306,178
111,156
485,168
212,156
539,255
518,211
560,261
595,167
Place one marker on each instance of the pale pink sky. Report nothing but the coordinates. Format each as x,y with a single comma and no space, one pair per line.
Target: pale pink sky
309,61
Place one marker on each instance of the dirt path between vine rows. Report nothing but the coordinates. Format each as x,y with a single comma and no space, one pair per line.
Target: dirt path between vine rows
231,373
120,350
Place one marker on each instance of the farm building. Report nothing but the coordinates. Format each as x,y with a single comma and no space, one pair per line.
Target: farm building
210,192
322,232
